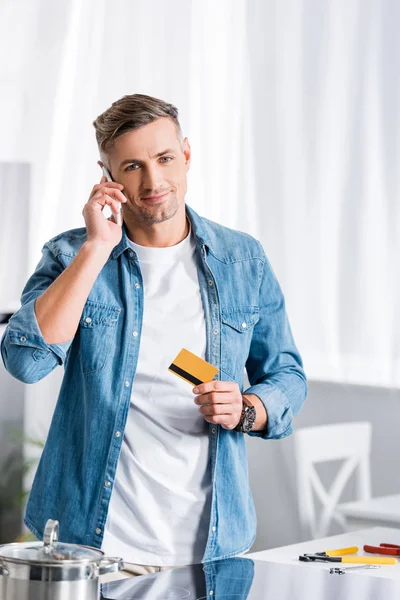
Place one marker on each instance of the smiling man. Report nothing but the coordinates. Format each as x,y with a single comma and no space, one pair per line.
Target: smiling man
138,462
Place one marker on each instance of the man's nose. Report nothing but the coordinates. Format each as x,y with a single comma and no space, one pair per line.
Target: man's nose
152,179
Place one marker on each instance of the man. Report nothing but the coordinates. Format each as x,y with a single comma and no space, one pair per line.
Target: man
136,461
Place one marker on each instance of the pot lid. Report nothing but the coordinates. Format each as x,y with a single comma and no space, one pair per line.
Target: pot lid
50,551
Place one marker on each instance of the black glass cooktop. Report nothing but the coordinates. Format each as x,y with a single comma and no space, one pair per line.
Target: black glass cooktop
245,579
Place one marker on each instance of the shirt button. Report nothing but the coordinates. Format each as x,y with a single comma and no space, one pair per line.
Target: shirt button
23,338
210,282
214,528
137,286
211,592
131,253
107,484
135,334
244,325
213,430
98,531
127,384
118,434
88,320
215,332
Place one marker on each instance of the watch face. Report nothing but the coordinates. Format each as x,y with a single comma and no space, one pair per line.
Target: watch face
249,418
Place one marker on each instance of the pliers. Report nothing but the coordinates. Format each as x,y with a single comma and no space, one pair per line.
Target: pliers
339,556
328,555
388,549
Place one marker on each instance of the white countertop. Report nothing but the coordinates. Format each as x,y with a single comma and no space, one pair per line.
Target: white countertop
373,536
289,555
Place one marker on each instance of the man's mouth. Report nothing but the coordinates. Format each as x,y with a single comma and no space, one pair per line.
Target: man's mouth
155,199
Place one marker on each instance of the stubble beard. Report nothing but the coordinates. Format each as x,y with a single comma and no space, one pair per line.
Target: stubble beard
153,214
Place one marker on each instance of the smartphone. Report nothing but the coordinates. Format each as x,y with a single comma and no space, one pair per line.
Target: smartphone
117,216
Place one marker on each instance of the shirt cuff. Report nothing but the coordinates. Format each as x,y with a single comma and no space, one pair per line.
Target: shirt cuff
279,411
24,330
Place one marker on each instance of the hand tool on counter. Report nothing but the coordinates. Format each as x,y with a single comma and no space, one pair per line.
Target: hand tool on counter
341,556
339,571
338,552
387,549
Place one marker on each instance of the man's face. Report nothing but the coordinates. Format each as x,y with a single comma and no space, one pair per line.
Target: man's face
152,165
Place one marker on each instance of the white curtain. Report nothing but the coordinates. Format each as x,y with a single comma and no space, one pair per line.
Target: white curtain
292,111
326,92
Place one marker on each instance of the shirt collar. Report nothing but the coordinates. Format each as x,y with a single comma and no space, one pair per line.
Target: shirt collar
198,228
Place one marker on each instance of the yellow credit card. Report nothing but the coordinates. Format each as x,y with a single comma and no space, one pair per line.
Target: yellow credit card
192,368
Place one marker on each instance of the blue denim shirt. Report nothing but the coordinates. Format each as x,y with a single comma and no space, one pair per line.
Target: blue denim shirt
246,327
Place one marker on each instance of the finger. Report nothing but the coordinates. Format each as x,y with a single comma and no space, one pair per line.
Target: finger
105,184
116,216
216,409
102,200
224,420
113,204
214,398
111,191
215,385
228,425
115,207
115,194
113,219
99,199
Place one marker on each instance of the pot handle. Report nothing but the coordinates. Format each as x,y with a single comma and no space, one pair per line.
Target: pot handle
50,535
110,564
3,570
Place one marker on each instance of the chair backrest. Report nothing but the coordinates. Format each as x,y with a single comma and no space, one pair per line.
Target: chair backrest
350,442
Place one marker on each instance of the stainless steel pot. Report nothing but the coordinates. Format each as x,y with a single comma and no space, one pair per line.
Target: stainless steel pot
52,570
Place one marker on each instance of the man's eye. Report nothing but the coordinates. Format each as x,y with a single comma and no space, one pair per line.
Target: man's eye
166,158
131,167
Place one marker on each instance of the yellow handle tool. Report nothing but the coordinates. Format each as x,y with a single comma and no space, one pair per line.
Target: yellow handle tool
369,560
342,551
342,556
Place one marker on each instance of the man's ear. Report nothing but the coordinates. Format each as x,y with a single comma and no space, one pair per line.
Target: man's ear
187,151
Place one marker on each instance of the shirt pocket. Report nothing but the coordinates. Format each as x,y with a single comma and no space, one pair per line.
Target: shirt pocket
97,329
236,332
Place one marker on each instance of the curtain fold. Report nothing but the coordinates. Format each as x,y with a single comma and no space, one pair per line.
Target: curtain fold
292,111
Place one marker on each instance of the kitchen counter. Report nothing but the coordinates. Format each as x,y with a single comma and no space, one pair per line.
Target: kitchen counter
312,579
373,536
272,574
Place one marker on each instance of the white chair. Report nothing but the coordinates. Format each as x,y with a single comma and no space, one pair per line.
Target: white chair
349,442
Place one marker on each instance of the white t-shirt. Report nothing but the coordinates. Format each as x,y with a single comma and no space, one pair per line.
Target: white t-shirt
160,505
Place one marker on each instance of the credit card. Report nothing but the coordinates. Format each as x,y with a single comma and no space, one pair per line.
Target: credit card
192,368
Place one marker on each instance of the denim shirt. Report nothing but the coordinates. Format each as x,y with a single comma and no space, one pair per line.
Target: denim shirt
246,328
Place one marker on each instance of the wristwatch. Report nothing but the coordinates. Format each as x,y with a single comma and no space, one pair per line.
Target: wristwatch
247,418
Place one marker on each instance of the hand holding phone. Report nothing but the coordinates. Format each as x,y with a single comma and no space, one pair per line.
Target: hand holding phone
116,216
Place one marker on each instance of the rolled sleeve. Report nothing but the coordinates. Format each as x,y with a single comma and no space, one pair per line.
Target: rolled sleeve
278,409
24,330
25,353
